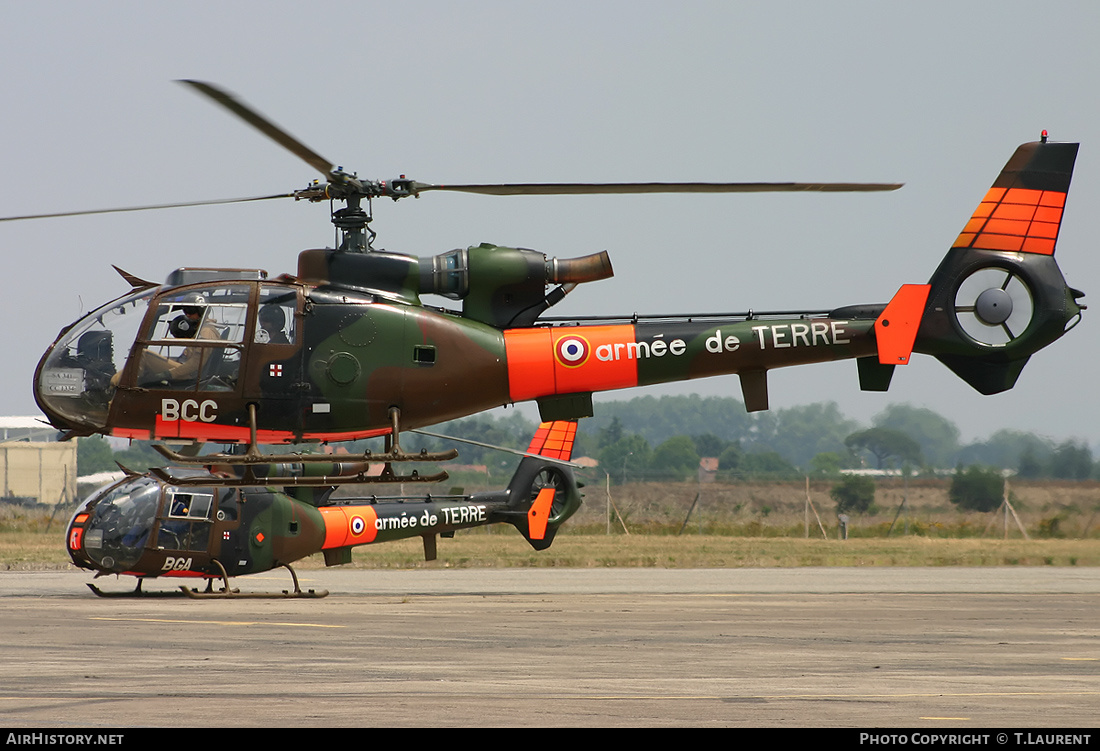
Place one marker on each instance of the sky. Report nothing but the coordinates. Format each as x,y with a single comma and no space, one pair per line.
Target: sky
933,94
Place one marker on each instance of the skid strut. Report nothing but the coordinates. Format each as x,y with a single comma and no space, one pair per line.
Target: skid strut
226,592
252,458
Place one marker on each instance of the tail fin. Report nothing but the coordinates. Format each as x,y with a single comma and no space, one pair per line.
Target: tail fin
543,491
554,440
998,296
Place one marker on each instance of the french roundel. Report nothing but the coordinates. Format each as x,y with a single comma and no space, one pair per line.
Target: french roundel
357,525
571,351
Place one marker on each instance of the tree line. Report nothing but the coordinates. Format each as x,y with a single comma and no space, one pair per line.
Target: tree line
664,438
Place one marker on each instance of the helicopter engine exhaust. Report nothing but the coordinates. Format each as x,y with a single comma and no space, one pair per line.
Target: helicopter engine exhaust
589,268
506,287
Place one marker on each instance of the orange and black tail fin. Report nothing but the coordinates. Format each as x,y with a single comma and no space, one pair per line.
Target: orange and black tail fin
998,296
554,440
544,492
1022,212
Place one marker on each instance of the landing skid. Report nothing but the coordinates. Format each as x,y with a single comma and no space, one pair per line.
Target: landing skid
136,592
226,592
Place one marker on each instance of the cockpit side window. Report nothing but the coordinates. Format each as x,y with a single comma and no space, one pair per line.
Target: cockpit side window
195,340
276,321
213,314
186,525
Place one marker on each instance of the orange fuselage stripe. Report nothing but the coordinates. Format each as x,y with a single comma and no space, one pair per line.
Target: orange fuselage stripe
348,525
214,432
569,360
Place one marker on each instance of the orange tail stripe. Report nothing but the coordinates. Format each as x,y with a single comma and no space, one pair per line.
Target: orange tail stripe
554,440
569,360
1015,219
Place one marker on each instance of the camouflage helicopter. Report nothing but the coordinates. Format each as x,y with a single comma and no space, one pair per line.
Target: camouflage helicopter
208,524
345,349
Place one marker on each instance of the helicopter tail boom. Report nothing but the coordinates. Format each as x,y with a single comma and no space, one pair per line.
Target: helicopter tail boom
541,495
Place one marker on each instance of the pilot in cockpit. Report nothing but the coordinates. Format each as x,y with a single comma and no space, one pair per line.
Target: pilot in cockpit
272,322
193,322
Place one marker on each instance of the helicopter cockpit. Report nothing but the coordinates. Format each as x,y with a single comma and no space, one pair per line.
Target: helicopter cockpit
177,338
115,527
118,524
196,337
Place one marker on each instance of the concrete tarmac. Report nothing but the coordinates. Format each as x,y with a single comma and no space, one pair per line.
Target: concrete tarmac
837,647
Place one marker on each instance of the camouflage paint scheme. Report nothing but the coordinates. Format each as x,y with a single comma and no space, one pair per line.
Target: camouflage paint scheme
365,343
146,527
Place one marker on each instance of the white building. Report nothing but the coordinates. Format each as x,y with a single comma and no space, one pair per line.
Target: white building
34,466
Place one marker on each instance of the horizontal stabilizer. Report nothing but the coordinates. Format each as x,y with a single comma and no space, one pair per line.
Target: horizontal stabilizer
896,329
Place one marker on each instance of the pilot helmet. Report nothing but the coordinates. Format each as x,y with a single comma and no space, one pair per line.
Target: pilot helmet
192,304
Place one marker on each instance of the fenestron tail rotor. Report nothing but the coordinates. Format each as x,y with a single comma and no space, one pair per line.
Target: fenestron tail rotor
554,478
998,295
994,306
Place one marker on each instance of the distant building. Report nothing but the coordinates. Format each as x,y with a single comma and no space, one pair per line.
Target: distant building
708,469
26,429
34,466
479,468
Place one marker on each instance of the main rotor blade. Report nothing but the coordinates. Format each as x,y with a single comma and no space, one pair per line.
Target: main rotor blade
151,207
262,124
553,189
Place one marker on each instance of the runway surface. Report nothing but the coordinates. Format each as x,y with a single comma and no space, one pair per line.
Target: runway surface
886,647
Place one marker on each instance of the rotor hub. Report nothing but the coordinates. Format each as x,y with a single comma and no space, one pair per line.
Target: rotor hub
993,306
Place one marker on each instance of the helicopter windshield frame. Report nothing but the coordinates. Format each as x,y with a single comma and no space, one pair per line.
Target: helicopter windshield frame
77,377
195,339
121,523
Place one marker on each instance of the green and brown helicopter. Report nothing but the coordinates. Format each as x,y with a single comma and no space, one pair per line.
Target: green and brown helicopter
211,524
345,348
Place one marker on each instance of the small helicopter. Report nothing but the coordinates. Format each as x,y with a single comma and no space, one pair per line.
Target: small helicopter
345,349
209,525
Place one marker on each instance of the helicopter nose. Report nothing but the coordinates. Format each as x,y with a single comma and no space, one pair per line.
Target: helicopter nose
111,528
74,395
75,380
